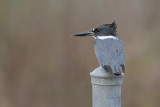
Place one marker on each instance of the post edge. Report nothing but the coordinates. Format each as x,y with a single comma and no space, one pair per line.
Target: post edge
100,77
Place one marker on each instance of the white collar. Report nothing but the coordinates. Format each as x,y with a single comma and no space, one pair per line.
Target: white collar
105,37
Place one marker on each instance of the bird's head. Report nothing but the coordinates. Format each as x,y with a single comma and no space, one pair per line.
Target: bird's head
102,30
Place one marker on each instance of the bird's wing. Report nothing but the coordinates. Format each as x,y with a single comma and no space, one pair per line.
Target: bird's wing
110,55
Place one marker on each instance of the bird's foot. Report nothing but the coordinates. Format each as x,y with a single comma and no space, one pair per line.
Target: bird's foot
107,68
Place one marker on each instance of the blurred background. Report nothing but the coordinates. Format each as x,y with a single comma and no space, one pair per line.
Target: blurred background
42,65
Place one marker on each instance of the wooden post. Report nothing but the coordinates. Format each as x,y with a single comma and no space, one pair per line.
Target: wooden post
106,86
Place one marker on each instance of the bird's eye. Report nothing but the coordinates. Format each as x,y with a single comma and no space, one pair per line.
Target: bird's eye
96,30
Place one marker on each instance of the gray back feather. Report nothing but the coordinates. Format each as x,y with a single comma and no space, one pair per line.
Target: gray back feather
110,52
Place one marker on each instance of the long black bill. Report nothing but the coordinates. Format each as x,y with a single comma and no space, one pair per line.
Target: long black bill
89,33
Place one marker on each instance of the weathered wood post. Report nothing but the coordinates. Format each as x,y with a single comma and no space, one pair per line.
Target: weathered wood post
106,87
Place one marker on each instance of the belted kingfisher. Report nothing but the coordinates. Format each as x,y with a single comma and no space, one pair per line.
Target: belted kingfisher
111,57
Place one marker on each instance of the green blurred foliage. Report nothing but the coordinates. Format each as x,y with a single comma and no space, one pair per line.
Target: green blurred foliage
42,65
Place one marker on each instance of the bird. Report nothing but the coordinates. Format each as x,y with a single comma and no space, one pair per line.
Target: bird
108,48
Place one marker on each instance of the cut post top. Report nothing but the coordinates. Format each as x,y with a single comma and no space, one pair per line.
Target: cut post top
100,77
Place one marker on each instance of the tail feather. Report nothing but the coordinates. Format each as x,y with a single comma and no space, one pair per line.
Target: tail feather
117,72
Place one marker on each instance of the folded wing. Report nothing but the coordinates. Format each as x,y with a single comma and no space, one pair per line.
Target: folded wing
110,55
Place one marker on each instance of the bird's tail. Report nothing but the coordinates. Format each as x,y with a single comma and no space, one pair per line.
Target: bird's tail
116,72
